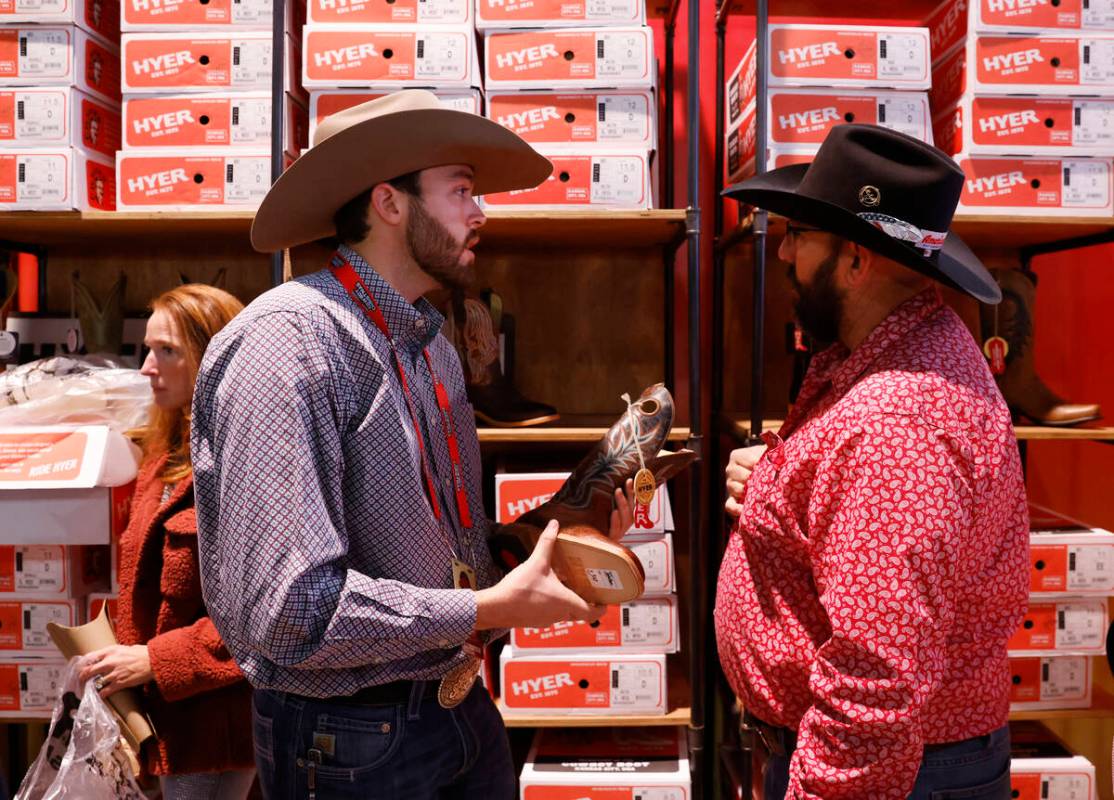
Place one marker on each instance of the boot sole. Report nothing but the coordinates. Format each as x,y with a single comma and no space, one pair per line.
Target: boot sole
1065,424
599,570
523,423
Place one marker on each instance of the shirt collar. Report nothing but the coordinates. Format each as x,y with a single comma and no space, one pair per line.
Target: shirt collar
413,326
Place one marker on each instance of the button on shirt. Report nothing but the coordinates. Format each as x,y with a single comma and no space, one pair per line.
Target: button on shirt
881,559
323,565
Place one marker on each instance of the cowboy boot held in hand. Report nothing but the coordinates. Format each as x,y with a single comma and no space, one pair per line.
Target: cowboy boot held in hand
475,325
586,560
1025,393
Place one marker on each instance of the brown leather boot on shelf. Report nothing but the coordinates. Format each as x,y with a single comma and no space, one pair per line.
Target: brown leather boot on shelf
586,559
1026,394
474,323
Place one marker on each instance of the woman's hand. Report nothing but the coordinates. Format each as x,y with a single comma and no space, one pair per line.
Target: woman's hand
739,467
622,517
118,667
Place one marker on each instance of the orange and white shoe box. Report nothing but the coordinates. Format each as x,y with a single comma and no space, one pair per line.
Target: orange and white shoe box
990,125
58,116
59,55
646,625
494,14
949,80
63,485
583,118
175,62
207,15
1074,625
390,57
519,492
587,178
947,26
95,601
23,625
1049,682
226,119
1072,562
29,687
577,58
804,116
741,87
1043,187
655,552
324,102
607,764
199,181
1013,16
376,12
1058,64
848,56
1042,767
101,17
617,684
53,571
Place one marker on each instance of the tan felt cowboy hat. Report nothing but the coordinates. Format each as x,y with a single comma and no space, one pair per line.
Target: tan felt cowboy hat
355,149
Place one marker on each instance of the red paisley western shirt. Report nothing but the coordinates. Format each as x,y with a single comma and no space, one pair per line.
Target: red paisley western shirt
881,559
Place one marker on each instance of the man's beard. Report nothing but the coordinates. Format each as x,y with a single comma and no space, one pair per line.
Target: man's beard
819,307
436,250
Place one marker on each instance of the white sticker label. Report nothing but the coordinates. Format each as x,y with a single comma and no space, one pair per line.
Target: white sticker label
44,54
635,685
622,118
1063,678
442,55
902,55
1098,14
41,179
646,622
36,616
41,116
1086,184
1080,625
251,63
617,181
251,121
1090,567
251,12
620,55
621,10
1093,122
39,567
1096,59
40,6
246,180
1065,787
464,102
446,11
655,563
906,116
659,793
604,579
39,685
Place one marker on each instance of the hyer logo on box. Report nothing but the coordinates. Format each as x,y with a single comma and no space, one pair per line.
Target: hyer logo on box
516,508
946,27
995,183
1008,62
811,52
546,683
1016,119
805,119
998,6
338,5
154,5
522,120
157,181
341,55
163,122
527,55
163,62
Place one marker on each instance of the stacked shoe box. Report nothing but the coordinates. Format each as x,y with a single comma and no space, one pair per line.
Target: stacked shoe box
65,494
616,665
821,76
1043,767
1052,654
197,103
357,50
59,104
577,80
1023,98
602,764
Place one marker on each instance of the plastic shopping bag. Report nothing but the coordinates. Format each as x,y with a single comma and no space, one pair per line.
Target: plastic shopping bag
83,757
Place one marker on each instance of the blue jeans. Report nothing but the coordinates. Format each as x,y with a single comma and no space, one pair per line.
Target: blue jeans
413,750
974,769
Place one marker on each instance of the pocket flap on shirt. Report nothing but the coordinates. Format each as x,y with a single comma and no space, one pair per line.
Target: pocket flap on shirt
183,523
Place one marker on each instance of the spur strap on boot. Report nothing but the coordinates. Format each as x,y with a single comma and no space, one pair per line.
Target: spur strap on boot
586,559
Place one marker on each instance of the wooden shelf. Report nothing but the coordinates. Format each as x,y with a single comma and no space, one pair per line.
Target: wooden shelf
676,717
568,430
568,229
1102,706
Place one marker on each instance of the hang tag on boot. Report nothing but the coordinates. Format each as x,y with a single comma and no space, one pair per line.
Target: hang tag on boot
644,487
996,349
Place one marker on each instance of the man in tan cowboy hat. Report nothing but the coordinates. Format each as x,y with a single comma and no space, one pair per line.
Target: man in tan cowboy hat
341,526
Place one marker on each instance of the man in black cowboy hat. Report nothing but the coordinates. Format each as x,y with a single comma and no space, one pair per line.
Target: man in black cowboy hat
880,559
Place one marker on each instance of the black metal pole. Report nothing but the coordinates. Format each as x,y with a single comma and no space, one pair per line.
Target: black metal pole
667,195
278,109
718,256
758,345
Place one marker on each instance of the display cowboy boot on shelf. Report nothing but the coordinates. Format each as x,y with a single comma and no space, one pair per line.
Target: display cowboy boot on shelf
1011,322
586,559
102,325
475,324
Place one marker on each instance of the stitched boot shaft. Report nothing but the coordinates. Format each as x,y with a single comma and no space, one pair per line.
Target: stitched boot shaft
1025,392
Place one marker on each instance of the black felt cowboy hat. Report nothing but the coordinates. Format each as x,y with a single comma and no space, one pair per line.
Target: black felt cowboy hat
886,191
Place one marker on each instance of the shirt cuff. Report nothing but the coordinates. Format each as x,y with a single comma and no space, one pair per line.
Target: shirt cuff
453,615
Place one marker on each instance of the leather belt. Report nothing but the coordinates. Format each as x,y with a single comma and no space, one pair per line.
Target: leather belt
385,694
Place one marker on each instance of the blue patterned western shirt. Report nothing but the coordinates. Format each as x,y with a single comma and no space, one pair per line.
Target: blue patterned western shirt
322,563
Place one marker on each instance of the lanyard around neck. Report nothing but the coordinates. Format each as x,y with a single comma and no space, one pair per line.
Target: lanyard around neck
361,295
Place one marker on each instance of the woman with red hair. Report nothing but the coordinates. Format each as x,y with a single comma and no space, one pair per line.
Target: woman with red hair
197,697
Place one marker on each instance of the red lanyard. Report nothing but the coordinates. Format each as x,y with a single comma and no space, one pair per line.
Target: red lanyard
361,295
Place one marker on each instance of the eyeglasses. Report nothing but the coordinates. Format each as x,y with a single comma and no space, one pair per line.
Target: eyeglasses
793,230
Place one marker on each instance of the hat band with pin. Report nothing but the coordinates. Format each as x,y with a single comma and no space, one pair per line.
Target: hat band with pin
927,241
